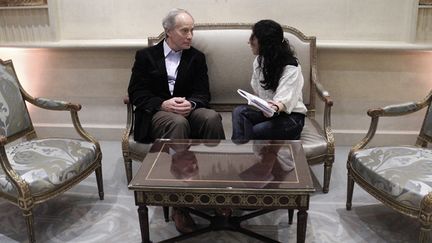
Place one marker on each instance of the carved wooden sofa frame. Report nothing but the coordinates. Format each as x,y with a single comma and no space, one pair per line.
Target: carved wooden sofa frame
229,61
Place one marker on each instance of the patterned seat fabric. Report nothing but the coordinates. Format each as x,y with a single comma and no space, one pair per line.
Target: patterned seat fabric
402,172
47,163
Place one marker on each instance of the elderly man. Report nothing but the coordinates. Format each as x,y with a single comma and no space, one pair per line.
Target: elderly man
169,88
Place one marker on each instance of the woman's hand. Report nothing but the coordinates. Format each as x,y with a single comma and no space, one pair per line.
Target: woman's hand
276,105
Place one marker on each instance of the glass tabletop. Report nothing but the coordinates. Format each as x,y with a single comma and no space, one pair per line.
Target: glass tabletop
218,164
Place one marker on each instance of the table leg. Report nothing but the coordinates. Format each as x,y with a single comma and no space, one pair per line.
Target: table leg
290,215
144,224
301,225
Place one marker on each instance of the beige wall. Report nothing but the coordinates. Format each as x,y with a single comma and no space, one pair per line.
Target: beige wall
363,56
95,78
98,78
366,20
335,19
359,80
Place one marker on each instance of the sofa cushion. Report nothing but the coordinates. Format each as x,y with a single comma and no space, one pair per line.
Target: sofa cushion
313,140
138,150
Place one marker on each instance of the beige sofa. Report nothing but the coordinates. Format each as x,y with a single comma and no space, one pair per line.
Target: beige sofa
229,61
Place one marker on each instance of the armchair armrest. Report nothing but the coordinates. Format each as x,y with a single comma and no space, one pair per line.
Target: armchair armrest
51,104
55,104
396,110
388,111
59,105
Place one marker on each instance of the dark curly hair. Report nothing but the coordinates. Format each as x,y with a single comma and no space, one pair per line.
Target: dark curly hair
274,52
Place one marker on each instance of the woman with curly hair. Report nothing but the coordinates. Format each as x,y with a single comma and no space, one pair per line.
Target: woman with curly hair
277,78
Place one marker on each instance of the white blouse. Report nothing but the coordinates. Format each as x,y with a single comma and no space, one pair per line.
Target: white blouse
288,92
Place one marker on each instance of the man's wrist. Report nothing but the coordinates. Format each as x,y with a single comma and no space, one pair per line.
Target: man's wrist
193,104
161,107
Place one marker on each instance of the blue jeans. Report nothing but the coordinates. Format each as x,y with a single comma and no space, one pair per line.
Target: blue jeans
249,123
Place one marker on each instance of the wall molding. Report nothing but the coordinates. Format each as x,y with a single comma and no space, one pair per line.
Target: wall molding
424,24
99,131
25,24
141,43
22,3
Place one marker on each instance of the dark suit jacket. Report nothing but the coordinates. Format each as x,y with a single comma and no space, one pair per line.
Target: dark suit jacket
148,86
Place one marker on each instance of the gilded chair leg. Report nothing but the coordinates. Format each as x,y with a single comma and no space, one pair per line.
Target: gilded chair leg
128,168
99,181
28,216
425,231
425,218
350,190
327,174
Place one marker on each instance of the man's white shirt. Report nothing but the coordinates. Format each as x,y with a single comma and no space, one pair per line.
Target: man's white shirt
172,61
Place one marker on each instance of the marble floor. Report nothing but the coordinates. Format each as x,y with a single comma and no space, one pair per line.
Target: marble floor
79,216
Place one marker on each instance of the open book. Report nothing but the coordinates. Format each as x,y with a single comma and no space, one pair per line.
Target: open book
257,102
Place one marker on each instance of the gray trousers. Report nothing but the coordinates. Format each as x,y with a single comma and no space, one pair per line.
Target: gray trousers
201,123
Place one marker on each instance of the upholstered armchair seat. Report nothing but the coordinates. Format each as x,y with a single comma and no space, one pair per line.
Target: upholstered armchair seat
403,173
46,164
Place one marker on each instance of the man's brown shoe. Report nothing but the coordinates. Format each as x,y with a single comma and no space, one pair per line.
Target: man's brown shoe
183,221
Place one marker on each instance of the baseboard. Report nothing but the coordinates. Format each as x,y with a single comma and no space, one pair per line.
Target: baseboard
387,137
115,132
100,132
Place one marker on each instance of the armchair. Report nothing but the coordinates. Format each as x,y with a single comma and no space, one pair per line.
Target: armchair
398,176
34,170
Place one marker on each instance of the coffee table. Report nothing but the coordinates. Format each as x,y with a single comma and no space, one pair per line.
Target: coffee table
260,175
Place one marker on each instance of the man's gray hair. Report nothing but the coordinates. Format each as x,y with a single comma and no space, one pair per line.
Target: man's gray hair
169,21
